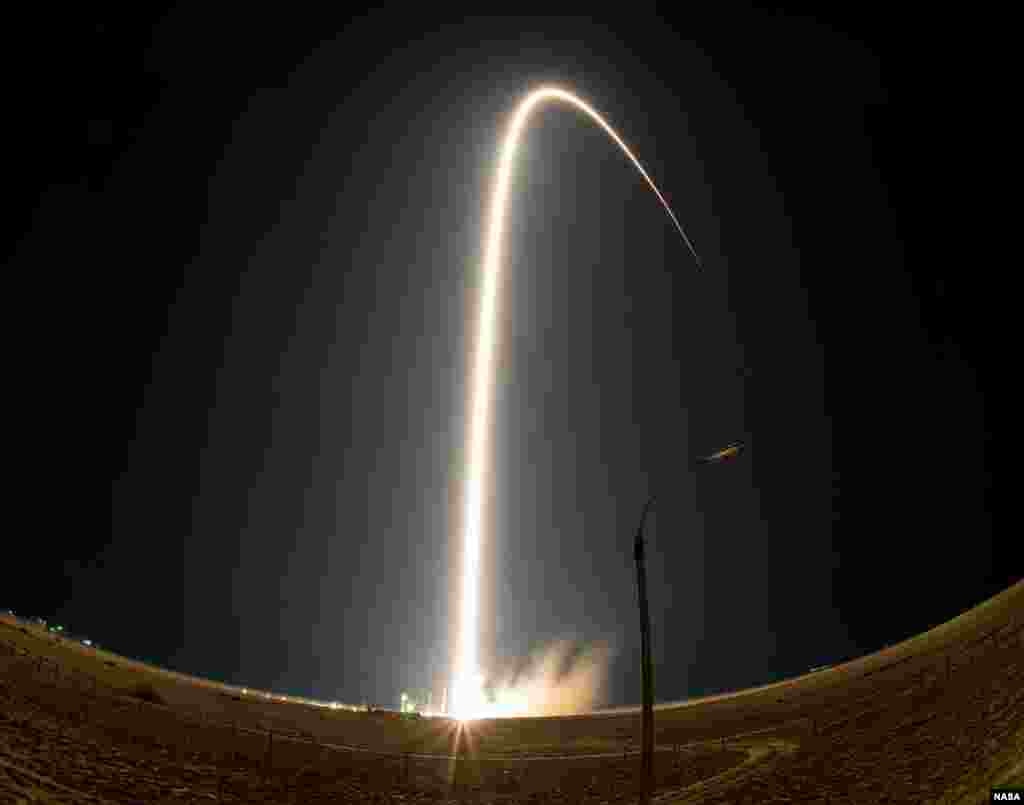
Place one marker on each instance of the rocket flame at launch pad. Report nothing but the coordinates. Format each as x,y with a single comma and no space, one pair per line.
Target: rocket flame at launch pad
468,699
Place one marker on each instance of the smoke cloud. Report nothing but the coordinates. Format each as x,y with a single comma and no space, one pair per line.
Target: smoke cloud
562,678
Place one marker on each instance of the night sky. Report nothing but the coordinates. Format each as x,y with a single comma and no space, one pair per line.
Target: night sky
246,253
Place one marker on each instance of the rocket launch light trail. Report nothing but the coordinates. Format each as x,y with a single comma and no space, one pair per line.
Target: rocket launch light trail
468,699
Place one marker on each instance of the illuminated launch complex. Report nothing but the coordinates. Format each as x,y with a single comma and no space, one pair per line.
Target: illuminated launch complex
468,699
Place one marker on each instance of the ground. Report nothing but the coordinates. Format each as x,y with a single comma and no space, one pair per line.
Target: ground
938,718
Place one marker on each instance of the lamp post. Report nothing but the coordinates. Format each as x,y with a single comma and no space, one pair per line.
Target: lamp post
647,739
647,750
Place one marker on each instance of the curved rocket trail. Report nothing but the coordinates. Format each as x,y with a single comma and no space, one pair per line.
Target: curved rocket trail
467,695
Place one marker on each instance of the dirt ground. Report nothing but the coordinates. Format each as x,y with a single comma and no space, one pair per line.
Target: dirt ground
938,718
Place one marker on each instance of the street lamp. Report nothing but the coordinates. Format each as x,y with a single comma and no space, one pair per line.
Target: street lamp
719,456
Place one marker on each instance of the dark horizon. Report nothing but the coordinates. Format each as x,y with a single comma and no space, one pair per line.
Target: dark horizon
266,233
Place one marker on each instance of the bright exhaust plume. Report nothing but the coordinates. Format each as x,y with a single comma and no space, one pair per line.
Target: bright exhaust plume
468,699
